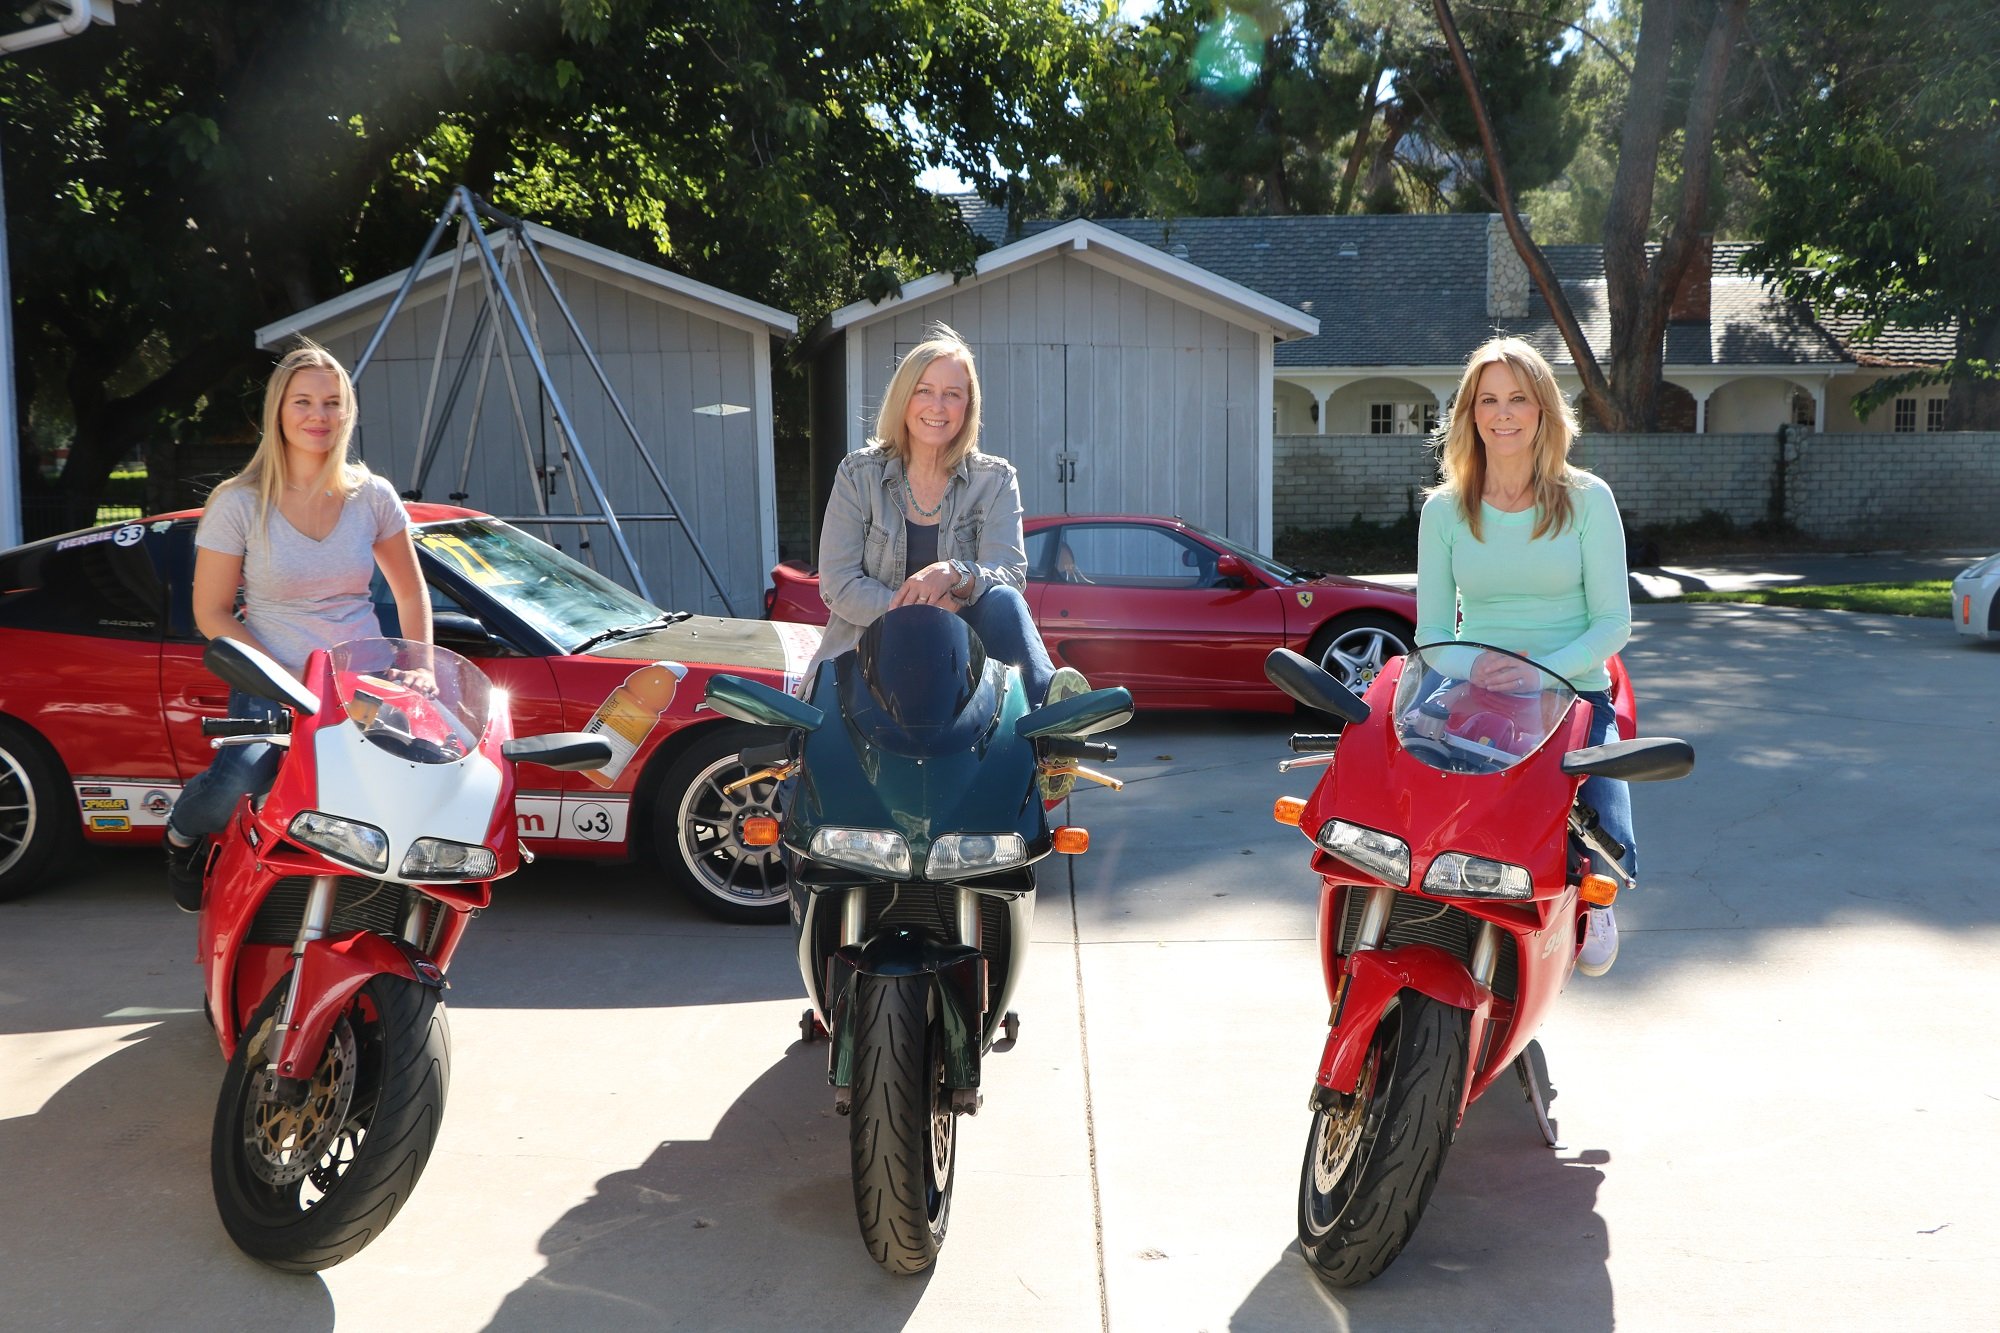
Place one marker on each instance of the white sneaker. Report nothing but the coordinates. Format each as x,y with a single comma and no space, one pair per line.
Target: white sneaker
1600,943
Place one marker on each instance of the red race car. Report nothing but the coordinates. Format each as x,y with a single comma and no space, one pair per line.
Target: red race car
102,693
1180,617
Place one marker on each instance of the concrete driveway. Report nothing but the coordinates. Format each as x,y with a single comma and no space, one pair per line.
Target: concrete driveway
1781,1109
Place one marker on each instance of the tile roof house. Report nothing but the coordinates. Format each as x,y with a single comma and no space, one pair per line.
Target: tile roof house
1402,299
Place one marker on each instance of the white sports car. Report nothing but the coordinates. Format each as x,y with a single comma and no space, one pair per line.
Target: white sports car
1973,606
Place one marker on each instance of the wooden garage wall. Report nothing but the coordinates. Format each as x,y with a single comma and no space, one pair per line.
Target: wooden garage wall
665,361
1157,398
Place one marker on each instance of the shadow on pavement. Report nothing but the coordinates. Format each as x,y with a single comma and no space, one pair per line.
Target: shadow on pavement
1471,1264
664,1245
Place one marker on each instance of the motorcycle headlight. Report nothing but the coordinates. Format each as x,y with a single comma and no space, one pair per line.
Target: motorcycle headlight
1456,875
436,858
360,845
875,851
958,854
1377,853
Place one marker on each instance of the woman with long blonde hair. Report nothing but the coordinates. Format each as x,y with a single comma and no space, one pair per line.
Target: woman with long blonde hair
1520,549
300,532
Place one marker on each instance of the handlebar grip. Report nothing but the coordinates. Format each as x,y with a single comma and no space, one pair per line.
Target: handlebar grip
1313,742
245,726
767,756
1064,747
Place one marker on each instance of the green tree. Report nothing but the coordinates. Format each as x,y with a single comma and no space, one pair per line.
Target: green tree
1878,144
223,164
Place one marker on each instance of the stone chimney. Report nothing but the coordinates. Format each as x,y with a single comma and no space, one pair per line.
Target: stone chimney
1691,297
1506,275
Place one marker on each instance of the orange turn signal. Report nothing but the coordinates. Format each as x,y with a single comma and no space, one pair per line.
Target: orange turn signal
1289,809
1072,840
760,831
1599,889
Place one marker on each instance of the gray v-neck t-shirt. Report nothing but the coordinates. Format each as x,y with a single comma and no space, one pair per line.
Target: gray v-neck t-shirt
300,594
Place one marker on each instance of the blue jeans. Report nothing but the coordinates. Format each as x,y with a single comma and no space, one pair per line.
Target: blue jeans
210,797
1611,798
1001,620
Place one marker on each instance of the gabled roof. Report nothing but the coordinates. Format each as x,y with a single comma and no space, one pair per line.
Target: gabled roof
1409,290
562,251
1093,243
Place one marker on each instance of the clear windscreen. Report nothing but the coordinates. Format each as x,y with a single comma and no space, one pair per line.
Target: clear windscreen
417,701
1471,708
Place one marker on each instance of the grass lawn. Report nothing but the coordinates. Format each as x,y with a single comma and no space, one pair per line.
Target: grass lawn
1928,597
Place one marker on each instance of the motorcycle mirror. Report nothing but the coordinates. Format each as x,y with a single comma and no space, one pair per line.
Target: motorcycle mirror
1313,686
758,704
1648,759
253,672
1079,715
568,751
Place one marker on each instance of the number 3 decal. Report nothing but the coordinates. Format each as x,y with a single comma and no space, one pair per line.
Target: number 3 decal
591,821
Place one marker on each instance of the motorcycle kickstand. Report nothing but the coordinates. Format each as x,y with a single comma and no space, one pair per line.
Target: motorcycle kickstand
1532,1086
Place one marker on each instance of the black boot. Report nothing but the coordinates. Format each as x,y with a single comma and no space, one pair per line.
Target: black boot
184,867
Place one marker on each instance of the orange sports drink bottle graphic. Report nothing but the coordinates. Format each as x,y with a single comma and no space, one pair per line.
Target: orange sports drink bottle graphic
630,713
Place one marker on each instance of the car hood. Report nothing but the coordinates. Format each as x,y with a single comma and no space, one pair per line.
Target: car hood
769,645
1343,581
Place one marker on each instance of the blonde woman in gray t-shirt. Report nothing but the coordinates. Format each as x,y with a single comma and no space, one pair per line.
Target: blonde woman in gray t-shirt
300,531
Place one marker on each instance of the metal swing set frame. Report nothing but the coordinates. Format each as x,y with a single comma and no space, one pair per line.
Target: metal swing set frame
502,306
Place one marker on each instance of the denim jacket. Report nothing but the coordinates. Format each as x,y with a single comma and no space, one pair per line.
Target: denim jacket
862,544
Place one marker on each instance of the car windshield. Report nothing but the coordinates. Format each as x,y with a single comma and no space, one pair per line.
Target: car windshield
421,703
1282,572
568,602
1446,720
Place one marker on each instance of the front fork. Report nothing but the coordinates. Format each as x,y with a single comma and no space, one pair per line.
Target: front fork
1371,977
959,972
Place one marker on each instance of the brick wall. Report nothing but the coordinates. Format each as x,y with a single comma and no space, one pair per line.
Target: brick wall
1871,489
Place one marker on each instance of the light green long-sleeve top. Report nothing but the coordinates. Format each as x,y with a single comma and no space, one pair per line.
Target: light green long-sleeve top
1561,599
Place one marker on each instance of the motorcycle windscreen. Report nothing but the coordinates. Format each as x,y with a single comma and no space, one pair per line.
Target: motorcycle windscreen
917,684
1445,718
415,700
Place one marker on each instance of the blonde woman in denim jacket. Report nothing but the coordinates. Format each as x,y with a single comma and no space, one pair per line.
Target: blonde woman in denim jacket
921,516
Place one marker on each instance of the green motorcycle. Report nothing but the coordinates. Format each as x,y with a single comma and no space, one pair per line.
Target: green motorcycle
914,815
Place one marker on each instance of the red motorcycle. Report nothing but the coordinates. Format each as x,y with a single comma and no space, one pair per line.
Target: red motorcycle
329,913
1456,866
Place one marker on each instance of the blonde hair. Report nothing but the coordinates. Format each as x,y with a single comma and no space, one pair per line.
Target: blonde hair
943,345
264,474
1462,458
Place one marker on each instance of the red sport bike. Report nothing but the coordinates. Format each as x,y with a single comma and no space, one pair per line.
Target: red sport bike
330,911
1456,865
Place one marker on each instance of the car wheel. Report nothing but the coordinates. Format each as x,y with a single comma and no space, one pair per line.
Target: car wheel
37,822
698,830
1354,649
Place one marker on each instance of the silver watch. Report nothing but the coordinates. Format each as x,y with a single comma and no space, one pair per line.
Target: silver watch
965,575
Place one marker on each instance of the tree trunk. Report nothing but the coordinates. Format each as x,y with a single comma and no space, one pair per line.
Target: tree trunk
1974,402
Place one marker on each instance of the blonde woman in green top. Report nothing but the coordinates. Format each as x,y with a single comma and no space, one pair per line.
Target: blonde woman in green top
1519,549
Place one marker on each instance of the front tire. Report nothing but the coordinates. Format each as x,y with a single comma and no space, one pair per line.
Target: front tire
303,1188
1373,1157
902,1136
698,831
37,824
1354,649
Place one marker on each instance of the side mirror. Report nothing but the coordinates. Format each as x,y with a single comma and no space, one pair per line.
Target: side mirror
467,635
245,668
1648,759
756,703
1233,567
1313,686
569,751
1079,715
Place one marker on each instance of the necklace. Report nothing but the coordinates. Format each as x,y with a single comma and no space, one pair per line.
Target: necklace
911,495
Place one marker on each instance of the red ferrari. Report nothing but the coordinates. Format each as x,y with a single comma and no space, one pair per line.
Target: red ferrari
1180,617
102,693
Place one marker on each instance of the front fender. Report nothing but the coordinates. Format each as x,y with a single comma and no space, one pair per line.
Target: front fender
1374,978
959,973
325,980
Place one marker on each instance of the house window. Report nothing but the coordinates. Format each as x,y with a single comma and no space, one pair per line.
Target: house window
1934,414
1402,418
1906,415
1804,411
